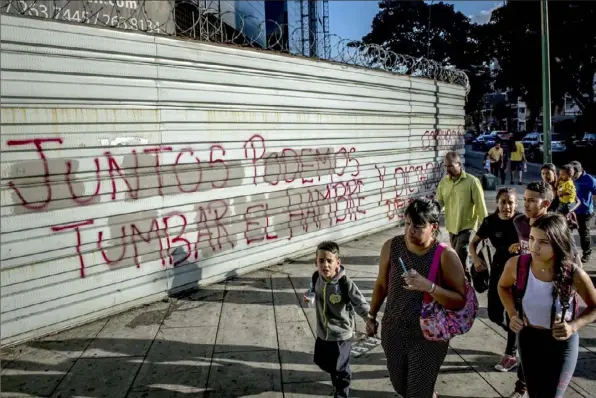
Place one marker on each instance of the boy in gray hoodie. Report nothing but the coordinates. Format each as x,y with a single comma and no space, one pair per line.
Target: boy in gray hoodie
336,296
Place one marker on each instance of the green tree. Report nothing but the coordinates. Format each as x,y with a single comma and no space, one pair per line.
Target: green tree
403,27
435,32
515,42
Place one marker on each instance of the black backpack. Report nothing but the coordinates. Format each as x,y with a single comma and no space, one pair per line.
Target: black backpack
343,287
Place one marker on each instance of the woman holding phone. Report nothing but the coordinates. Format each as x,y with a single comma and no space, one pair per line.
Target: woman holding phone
412,360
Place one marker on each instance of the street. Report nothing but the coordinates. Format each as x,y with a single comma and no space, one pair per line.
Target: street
474,164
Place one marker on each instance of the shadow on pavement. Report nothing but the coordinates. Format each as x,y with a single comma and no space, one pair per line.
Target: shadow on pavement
185,360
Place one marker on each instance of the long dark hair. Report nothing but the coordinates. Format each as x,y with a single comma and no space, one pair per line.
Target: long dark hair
424,211
558,233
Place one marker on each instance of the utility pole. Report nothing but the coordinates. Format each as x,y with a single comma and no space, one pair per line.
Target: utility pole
430,8
546,111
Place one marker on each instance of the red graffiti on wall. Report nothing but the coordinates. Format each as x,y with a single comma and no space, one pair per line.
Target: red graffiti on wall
76,226
208,227
326,206
306,165
442,140
209,224
37,142
289,164
409,182
255,231
130,175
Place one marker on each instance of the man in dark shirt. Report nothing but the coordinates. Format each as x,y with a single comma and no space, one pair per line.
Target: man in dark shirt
585,186
537,199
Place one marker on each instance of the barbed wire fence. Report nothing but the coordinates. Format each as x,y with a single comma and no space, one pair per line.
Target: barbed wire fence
219,22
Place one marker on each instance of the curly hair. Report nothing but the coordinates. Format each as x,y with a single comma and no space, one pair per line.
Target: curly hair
542,188
558,233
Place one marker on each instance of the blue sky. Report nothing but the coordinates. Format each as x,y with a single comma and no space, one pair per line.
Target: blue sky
352,19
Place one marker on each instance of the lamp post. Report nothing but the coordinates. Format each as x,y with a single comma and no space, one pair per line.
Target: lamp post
546,111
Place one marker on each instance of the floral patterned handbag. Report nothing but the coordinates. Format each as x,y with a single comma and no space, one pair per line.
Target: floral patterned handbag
438,323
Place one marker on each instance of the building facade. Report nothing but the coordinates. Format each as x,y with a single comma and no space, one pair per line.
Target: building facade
294,26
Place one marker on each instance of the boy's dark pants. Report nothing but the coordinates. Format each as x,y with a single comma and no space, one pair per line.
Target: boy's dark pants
333,357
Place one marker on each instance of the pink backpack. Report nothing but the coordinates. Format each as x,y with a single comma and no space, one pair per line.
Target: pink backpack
438,323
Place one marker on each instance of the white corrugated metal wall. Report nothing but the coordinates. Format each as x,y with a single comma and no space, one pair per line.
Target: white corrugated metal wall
135,165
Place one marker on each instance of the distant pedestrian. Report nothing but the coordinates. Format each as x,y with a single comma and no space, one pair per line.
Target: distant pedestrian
548,172
462,197
412,360
547,334
496,157
335,296
501,232
518,157
585,186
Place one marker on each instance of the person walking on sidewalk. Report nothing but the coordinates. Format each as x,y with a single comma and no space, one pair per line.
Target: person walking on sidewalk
501,232
518,158
462,197
538,197
539,291
548,172
413,361
496,157
585,186
335,296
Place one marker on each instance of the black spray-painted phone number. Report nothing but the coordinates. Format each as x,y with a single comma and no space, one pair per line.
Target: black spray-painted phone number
90,17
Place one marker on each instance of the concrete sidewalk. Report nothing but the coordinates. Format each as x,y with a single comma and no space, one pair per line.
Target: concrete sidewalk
248,337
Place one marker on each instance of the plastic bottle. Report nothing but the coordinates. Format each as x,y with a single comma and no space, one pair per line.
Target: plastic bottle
309,296
525,167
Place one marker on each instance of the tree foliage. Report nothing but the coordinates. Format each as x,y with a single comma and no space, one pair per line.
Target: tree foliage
436,32
515,42
403,27
511,40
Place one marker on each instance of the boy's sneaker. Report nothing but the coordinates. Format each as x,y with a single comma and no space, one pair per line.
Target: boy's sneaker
507,363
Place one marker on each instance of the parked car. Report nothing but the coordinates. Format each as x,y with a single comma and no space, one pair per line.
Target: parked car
478,143
532,143
504,136
491,138
587,141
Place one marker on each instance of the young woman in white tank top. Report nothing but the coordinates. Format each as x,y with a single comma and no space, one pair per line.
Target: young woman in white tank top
547,343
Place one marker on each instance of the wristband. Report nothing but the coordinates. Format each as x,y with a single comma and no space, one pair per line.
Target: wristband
432,288
371,316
